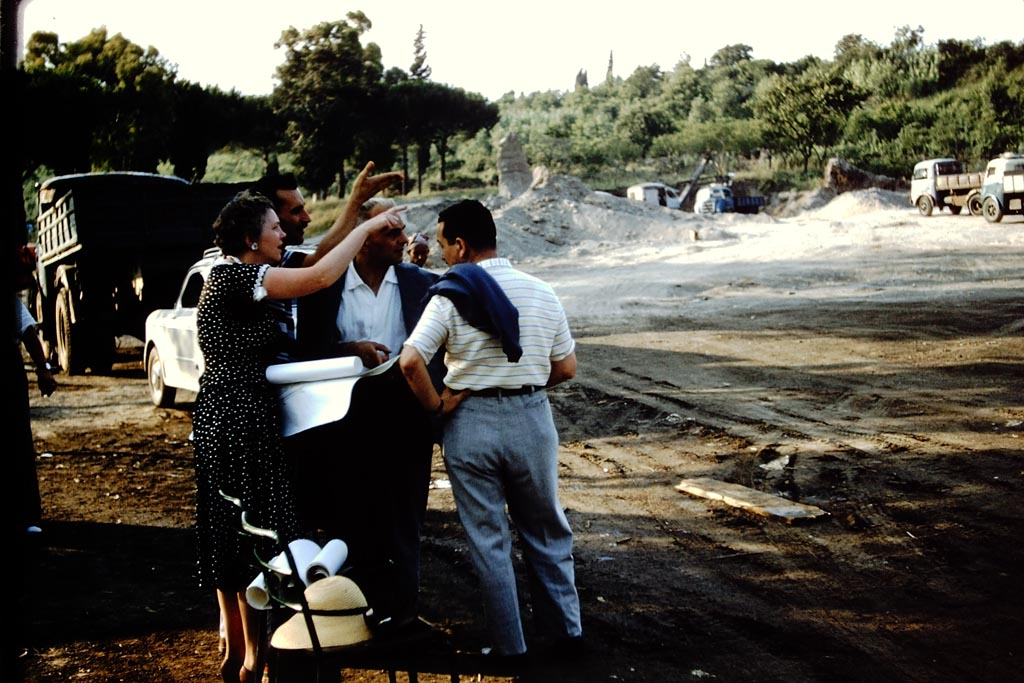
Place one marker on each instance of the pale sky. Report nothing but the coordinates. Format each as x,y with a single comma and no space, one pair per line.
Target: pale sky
523,46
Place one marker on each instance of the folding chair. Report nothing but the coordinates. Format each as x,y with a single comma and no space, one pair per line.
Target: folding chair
313,633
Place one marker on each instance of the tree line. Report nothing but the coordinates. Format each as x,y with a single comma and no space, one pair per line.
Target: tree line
883,108
104,103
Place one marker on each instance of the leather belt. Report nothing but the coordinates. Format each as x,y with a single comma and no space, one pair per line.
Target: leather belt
499,392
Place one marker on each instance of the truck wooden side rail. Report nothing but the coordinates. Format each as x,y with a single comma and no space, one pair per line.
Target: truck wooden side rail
111,247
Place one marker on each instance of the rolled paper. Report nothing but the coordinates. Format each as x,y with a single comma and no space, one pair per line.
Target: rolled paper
304,551
256,594
314,370
328,561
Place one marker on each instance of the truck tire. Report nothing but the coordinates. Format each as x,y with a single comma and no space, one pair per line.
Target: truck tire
69,351
991,210
161,394
974,204
925,205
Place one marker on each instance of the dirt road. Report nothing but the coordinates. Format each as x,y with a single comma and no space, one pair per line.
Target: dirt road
877,376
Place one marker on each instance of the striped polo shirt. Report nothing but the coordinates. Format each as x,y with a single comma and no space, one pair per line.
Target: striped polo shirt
475,359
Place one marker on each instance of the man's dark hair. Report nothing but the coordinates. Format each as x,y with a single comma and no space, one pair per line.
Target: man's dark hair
269,184
472,221
240,220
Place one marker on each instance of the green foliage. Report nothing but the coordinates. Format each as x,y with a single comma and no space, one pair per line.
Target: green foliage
804,114
882,108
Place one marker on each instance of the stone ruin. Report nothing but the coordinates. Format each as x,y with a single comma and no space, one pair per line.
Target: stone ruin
842,176
514,174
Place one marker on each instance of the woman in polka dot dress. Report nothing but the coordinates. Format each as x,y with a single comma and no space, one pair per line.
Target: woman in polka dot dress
236,423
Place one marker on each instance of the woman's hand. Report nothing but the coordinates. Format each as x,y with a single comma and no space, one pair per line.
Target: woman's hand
385,221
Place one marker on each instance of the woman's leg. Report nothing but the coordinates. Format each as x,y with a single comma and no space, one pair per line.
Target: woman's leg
251,635
234,635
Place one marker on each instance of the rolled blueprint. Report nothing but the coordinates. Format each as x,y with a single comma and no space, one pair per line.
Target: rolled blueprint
328,561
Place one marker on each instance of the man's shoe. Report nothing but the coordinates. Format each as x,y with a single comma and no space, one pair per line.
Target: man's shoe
565,650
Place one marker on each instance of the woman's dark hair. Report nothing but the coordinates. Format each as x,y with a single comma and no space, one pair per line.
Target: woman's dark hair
240,221
472,221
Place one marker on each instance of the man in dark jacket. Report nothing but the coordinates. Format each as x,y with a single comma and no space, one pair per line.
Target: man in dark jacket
365,478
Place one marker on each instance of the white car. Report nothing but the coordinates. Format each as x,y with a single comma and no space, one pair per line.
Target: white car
171,356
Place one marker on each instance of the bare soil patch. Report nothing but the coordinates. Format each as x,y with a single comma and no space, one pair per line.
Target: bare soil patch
856,357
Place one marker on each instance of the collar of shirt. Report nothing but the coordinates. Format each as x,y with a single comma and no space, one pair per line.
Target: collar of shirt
496,261
353,281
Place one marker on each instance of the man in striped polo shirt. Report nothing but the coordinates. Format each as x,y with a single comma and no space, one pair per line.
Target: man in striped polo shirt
506,340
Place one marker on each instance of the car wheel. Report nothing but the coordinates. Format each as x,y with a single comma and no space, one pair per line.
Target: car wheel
990,209
925,205
161,394
974,204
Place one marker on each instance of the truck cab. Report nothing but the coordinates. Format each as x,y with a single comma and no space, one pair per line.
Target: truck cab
714,198
1003,189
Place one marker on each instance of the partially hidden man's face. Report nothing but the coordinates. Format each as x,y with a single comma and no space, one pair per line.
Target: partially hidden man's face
388,247
452,253
419,253
291,209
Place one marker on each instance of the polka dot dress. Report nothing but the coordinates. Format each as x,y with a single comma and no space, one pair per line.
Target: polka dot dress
237,428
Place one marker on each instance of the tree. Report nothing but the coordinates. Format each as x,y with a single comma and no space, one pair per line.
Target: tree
419,71
800,114
329,84
125,90
581,80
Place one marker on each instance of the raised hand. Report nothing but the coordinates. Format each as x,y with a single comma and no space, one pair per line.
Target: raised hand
367,186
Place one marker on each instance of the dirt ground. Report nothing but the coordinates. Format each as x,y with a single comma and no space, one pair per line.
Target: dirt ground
868,363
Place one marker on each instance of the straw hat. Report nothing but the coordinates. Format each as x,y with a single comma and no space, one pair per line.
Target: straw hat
332,593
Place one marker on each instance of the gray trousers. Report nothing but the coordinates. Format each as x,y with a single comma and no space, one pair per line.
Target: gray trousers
504,452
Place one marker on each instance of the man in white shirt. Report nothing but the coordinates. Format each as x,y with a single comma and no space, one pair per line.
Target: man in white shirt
374,497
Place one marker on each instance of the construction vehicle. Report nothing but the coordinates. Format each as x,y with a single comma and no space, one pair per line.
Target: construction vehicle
719,198
111,247
943,183
708,196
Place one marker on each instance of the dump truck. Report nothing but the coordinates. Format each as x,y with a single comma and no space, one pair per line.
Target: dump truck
110,248
943,183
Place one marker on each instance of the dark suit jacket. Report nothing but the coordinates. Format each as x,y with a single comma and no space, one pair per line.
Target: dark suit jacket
317,329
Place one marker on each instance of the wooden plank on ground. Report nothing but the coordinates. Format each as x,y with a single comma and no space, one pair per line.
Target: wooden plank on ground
749,499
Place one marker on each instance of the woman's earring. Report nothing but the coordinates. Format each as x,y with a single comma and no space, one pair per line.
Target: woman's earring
254,247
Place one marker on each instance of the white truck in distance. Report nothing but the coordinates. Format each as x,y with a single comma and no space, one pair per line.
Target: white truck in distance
943,183
655,194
